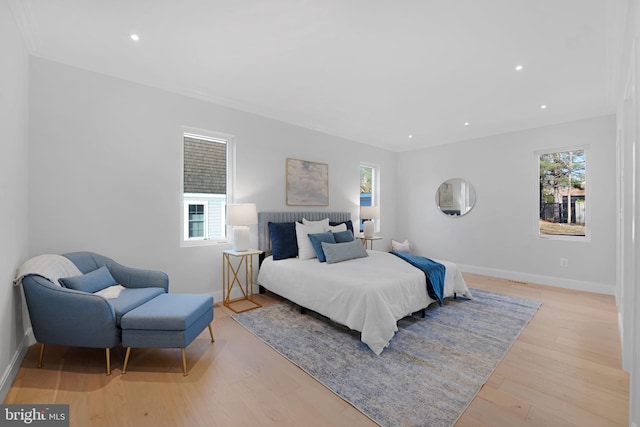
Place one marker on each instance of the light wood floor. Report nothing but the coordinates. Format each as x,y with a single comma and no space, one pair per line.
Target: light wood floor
564,370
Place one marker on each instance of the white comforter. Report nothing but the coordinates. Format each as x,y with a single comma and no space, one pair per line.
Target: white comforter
366,294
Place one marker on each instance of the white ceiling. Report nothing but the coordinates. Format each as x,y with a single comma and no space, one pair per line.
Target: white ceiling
372,71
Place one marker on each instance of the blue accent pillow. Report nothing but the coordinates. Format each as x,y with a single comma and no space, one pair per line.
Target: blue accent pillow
343,236
91,282
283,240
348,223
316,241
338,252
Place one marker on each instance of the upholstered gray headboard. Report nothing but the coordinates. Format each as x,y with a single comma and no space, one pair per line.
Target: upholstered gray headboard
264,218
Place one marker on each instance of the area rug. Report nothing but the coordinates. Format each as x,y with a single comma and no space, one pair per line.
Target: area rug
429,373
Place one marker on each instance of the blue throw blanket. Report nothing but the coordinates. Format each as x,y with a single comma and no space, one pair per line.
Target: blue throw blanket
433,270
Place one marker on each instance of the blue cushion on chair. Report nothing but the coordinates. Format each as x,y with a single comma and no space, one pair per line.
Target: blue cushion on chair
130,299
91,282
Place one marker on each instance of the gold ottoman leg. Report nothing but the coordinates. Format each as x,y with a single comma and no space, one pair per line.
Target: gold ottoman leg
211,333
184,361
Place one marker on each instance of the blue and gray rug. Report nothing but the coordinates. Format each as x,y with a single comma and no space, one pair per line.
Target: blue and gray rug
429,373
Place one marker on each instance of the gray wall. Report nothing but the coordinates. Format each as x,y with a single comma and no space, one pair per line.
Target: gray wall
499,236
628,279
106,171
14,228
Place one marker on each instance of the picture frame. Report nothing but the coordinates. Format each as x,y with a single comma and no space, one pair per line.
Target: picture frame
307,183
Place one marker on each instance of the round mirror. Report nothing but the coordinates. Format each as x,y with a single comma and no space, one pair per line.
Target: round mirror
455,197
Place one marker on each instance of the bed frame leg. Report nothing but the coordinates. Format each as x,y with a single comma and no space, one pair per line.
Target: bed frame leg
455,296
423,313
303,310
261,289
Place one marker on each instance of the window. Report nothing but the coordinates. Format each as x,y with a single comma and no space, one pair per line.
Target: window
368,188
196,224
206,183
562,193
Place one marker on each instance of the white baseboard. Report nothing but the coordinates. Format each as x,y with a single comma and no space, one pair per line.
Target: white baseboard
12,370
578,285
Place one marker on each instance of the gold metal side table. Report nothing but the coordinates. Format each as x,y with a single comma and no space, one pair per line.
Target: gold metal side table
232,275
367,242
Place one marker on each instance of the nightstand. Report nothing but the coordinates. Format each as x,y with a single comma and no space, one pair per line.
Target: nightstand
233,264
367,242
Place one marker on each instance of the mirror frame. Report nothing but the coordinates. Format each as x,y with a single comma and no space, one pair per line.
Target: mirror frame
446,202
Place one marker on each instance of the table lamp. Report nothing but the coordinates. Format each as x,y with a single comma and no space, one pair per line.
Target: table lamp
367,213
240,216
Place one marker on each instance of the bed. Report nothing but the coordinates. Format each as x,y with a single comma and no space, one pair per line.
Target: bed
368,294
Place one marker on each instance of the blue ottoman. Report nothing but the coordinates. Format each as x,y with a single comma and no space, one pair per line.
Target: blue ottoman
167,321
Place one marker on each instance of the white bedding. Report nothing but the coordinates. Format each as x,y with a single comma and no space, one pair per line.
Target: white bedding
367,294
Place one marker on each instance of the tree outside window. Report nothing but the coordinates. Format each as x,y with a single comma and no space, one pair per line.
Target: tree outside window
562,193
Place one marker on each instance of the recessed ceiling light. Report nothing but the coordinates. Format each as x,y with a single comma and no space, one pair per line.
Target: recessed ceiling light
466,123
543,106
410,136
135,37
519,67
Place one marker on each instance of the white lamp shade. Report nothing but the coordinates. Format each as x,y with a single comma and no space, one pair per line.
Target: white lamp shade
369,212
242,214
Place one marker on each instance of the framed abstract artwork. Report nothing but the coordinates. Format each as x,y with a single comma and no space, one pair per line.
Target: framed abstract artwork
307,183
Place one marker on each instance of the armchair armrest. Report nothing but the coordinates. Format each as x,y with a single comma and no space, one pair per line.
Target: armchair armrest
139,278
67,317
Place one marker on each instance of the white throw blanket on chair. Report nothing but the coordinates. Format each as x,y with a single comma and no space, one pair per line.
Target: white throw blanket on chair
49,266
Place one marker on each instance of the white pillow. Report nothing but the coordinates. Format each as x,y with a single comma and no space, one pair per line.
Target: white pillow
305,248
401,246
323,222
337,228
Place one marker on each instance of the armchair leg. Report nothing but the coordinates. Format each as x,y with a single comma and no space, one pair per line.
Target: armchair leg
126,360
211,333
184,362
41,356
108,361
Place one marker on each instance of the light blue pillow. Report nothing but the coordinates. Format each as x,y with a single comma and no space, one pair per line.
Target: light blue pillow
338,252
343,236
91,282
316,242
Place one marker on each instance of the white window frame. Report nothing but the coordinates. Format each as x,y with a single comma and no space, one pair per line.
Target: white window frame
588,198
204,134
187,203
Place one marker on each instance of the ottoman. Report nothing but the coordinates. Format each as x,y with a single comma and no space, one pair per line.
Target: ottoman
167,321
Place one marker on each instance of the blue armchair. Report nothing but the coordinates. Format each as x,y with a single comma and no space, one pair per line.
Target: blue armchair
64,316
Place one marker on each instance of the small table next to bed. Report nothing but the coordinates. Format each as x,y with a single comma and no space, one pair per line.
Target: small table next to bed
232,275
367,242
